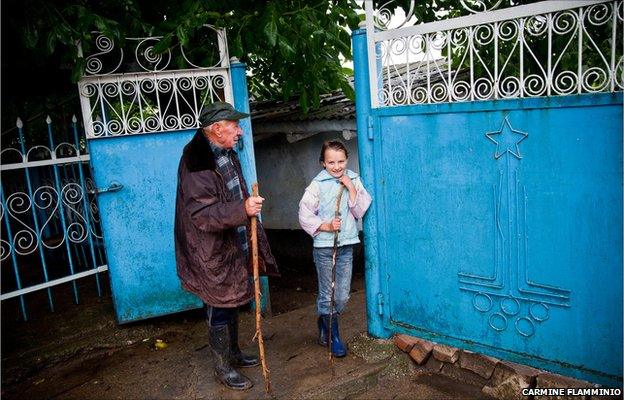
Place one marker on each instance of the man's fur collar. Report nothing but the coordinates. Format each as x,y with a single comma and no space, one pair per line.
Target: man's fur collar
198,153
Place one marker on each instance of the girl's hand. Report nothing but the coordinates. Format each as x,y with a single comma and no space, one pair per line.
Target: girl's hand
346,181
335,224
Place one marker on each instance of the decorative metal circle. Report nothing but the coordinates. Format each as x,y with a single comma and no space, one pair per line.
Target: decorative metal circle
525,327
539,311
478,304
498,322
510,305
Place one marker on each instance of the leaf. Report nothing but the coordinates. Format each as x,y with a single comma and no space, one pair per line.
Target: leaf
164,43
78,70
182,36
51,42
270,30
237,46
213,14
31,36
347,89
286,49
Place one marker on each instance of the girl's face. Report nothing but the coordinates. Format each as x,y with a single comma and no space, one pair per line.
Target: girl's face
335,162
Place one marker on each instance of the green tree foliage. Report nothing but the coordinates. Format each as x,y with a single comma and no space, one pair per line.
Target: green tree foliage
290,47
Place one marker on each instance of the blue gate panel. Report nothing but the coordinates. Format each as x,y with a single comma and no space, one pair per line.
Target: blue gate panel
138,222
500,228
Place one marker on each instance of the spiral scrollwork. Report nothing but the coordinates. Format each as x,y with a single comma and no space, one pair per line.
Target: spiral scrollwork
478,6
25,239
461,91
483,89
171,122
5,246
129,88
201,82
508,30
94,64
187,121
439,92
114,127
594,79
72,196
147,85
134,124
149,60
564,22
510,87
218,82
165,85
535,85
483,35
598,14
536,25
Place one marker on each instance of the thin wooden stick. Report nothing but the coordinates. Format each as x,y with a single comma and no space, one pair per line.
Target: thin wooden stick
333,283
256,279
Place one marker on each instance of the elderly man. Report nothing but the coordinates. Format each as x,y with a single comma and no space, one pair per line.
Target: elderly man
212,235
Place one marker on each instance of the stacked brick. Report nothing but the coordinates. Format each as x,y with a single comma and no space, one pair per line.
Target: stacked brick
497,378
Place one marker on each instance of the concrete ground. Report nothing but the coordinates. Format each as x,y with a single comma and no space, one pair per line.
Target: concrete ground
102,360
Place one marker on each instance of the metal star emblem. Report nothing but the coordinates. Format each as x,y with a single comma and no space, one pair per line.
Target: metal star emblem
508,139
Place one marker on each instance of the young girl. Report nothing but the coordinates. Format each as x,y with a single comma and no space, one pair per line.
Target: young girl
317,217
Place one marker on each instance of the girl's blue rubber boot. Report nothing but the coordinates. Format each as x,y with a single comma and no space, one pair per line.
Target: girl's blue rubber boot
338,348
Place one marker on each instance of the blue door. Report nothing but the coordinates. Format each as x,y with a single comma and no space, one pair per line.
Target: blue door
502,228
137,221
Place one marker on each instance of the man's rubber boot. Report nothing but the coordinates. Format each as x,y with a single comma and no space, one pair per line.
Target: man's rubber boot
239,359
219,340
338,348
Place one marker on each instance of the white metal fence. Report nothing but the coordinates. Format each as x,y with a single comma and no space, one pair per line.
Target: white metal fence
546,48
148,92
49,216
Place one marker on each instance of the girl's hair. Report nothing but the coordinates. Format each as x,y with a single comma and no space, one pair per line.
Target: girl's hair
335,145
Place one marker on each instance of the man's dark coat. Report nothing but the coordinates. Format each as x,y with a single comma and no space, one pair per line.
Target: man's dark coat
209,260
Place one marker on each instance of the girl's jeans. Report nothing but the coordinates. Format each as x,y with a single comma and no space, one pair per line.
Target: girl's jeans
344,266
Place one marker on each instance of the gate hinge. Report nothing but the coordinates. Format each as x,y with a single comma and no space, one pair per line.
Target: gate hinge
370,127
380,303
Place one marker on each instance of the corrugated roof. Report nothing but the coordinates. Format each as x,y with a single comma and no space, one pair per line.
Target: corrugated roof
332,106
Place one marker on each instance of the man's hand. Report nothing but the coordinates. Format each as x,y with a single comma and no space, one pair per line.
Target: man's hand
253,205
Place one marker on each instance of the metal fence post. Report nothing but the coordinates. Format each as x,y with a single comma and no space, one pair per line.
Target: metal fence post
363,110
61,209
85,205
20,129
246,151
5,215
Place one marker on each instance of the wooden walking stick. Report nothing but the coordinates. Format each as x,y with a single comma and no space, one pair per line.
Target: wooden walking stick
333,283
256,279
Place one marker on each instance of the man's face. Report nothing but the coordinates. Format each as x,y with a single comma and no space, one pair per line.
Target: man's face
230,132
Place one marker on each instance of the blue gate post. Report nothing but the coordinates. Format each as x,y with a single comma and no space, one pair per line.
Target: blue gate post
246,151
374,297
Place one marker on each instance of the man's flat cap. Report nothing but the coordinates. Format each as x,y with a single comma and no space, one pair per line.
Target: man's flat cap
219,111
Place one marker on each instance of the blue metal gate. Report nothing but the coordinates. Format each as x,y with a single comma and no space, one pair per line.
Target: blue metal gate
137,125
497,224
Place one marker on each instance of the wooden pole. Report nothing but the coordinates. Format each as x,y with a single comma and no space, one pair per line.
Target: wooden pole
333,283
256,280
